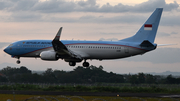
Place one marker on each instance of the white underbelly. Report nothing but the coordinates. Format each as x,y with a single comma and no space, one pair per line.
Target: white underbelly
108,53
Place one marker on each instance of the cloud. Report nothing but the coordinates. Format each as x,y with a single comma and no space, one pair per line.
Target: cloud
171,19
5,64
51,11
59,6
26,16
91,18
22,5
160,55
54,6
174,32
3,44
164,34
109,39
151,4
166,20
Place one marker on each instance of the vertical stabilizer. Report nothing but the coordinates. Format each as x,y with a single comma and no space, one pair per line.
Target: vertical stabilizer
148,29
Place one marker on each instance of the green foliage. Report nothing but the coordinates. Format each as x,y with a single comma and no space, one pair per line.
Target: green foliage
25,87
80,74
124,89
136,83
82,88
5,87
89,75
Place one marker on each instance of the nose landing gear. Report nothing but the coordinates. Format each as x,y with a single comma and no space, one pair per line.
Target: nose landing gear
18,61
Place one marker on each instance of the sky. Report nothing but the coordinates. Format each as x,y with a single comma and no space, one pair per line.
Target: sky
91,20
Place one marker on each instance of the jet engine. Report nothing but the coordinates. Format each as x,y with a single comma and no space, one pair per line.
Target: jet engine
49,56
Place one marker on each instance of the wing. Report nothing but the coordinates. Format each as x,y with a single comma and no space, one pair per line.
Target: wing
62,50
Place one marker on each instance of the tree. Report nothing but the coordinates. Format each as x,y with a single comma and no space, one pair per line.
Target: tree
150,79
23,69
141,77
170,80
134,79
8,71
101,67
49,77
49,71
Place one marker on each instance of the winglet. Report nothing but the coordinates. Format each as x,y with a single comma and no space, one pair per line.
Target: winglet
57,37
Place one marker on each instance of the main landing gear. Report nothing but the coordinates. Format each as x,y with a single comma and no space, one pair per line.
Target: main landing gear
72,63
85,64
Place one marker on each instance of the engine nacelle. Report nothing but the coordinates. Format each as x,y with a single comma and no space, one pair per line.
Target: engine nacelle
49,56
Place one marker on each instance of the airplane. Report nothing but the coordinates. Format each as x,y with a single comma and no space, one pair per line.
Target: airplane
76,51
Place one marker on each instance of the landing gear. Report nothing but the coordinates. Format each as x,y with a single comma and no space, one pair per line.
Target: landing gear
72,63
18,61
85,64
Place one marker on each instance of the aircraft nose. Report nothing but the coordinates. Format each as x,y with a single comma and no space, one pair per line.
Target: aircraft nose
5,50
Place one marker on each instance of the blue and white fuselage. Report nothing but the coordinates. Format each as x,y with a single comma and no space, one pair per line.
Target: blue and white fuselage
76,51
87,49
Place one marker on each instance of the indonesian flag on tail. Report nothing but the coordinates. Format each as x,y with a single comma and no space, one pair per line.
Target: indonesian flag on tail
148,27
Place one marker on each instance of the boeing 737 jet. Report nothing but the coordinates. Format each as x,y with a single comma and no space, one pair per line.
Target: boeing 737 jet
72,51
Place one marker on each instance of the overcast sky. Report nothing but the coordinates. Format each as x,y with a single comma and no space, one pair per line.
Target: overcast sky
91,20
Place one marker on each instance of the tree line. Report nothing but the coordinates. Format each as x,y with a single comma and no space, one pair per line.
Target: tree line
91,74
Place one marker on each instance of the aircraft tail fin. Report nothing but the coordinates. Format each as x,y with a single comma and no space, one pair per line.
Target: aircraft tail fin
149,28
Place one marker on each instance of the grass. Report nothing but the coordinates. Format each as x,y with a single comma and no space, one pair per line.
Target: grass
123,89
4,97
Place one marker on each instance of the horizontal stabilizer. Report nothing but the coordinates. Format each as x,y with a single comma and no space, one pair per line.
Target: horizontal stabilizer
165,44
146,43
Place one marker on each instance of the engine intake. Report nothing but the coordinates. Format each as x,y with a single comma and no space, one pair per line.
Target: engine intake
49,56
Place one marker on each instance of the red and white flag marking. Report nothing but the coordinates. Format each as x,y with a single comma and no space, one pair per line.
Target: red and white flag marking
148,27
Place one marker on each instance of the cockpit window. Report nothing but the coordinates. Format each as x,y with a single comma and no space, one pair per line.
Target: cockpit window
10,45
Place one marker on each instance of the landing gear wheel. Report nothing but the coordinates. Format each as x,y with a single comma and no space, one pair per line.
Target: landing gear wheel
72,63
86,64
18,61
